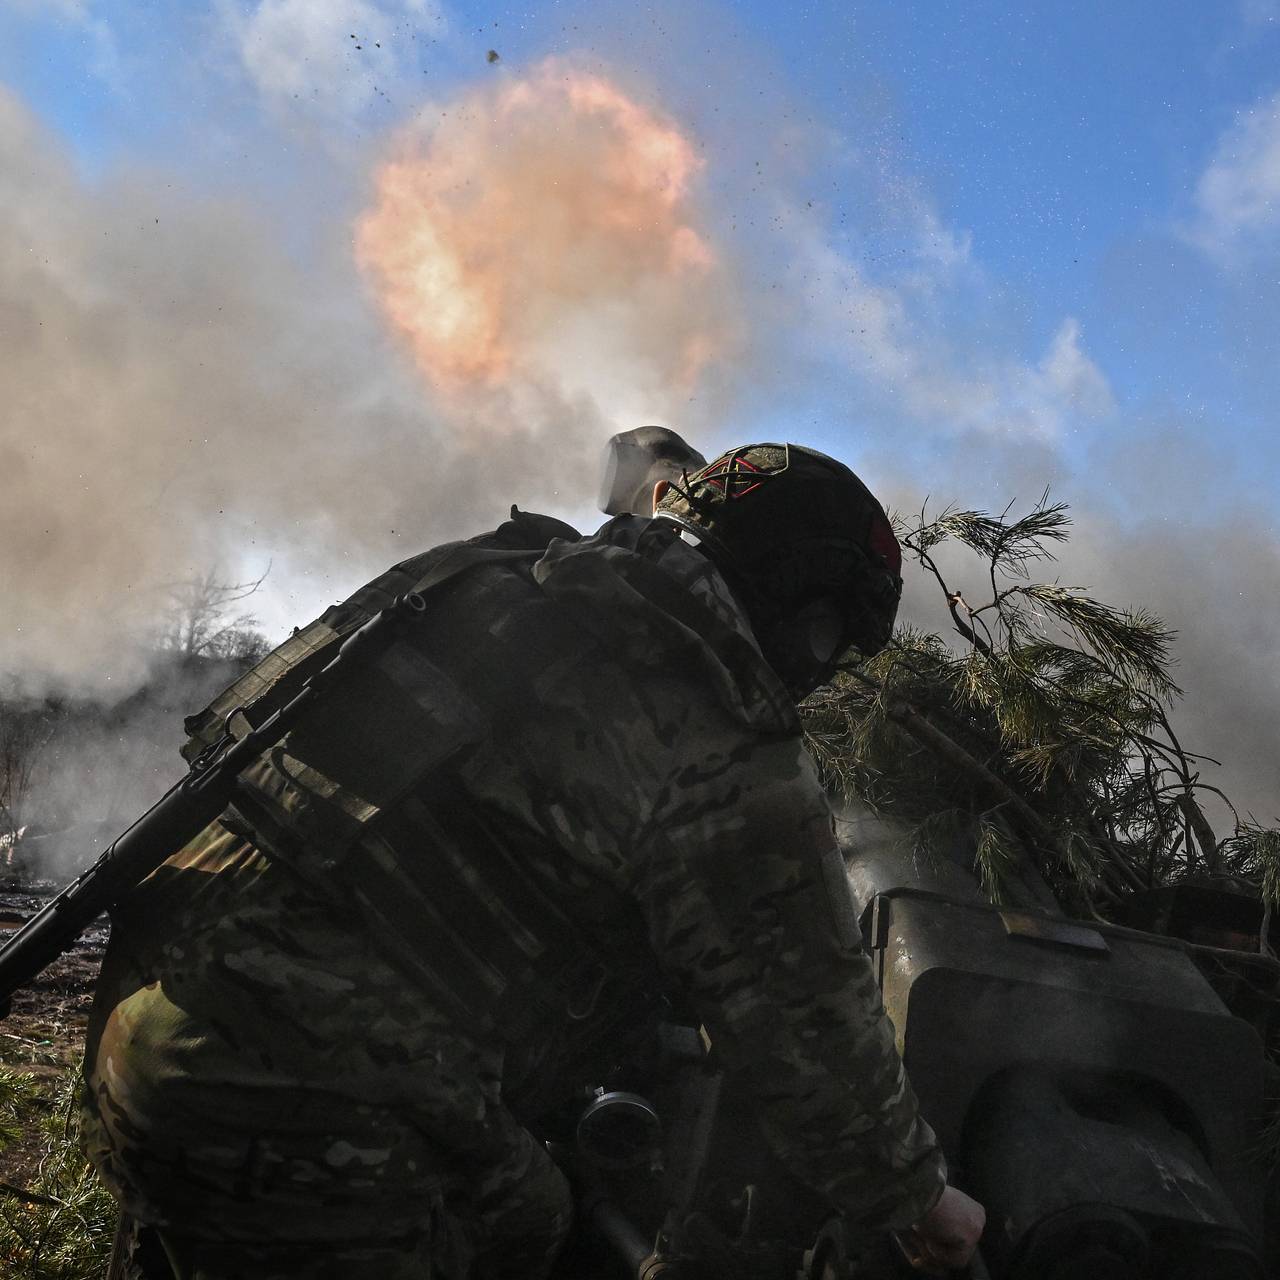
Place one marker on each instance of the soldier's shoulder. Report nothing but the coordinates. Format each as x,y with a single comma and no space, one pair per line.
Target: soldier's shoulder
656,604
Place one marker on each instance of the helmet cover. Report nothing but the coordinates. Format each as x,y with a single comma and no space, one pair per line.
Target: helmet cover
806,546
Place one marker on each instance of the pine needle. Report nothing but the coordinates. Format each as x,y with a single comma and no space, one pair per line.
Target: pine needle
1137,643
995,859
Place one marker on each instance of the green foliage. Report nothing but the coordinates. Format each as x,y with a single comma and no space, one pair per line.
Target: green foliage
995,857
1133,646
18,1095
1011,544
1044,733
1256,850
59,1224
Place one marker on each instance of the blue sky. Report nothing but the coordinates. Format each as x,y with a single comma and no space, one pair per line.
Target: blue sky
1064,144
975,249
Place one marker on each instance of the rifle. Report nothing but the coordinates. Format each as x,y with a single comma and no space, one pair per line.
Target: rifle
182,812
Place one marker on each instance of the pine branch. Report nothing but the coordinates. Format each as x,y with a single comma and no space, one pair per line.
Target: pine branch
1055,716
1010,546
31,1197
932,738
929,735
995,858
1136,643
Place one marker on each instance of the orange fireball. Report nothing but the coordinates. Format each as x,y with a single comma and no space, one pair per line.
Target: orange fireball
544,231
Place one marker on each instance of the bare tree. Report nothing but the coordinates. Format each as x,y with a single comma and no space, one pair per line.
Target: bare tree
25,731
202,622
243,645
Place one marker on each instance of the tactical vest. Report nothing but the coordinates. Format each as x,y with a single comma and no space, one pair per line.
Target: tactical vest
283,671
362,801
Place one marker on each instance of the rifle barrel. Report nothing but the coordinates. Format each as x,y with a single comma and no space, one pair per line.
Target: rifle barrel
175,819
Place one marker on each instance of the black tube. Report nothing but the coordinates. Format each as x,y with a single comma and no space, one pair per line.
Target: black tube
621,1234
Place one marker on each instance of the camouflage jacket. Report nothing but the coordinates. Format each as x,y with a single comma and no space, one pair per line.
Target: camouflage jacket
589,735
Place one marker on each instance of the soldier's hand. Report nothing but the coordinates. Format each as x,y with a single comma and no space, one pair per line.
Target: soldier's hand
946,1237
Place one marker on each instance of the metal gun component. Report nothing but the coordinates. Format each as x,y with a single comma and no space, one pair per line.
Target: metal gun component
620,1130
1089,1085
634,461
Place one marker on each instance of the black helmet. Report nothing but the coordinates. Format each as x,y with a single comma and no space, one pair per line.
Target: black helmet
804,544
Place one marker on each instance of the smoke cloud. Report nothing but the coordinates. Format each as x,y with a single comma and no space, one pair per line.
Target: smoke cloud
537,261
1153,536
540,235
163,377
179,391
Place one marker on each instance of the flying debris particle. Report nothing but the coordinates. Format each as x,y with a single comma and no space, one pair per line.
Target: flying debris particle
494,56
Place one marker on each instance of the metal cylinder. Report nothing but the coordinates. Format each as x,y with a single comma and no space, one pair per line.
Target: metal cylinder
1090,1240
1223,1259
619,1130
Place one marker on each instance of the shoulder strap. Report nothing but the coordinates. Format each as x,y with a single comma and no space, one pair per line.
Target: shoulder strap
287,667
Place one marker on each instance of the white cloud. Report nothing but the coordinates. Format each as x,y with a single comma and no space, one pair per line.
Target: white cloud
940,245
1258,13
331,58
898,336
1237,199
104,51
1067,379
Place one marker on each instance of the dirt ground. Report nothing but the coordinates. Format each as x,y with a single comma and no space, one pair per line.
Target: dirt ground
43,1036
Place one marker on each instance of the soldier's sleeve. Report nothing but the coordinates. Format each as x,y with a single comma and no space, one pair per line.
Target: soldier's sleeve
741,883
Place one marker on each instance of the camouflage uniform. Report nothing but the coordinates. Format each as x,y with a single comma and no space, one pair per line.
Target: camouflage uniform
296,1065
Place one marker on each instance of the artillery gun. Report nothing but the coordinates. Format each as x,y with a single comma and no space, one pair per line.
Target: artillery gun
1087,1082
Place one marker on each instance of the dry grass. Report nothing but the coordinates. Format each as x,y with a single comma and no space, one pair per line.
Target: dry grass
56,1218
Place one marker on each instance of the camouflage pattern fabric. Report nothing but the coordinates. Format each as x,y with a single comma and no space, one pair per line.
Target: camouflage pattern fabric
270,1082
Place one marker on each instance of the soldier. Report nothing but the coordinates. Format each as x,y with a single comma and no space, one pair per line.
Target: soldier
582,769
